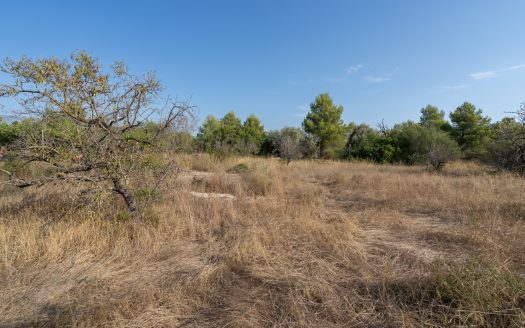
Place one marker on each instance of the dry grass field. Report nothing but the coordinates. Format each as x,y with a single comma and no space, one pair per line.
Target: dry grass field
309,244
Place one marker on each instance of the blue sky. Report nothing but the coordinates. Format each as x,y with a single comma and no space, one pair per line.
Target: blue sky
379,59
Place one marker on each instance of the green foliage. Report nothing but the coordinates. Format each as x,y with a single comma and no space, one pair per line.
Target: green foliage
152,161
380,149
253,135
290,144
8,133
377,148
359,134
433,140
418,144
182,142
90,125
439,148
143,134
209,134
56,128
310,146
432,117
324,121
123,216
410,140
269,147
25,126
367,143
507,146
471,130
230,136
231,133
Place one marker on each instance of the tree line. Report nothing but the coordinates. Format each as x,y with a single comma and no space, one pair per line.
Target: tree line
433,140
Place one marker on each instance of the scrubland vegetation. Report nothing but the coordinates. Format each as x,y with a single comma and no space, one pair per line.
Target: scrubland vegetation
113,214
309,244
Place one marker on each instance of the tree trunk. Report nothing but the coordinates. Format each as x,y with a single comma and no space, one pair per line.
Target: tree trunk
321,149
128,197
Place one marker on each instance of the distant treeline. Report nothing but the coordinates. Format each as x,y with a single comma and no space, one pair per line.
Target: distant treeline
434,140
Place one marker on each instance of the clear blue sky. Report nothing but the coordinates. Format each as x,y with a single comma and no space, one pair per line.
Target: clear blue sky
379,59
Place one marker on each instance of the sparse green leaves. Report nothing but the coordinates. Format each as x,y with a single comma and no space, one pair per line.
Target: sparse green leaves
92,125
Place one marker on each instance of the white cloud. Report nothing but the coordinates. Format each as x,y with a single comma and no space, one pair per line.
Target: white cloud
512,68
483,75
491,74
376,79
381,78
354,69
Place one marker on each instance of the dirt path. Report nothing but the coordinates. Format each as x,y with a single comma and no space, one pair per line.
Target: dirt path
393,241
416,236
420,237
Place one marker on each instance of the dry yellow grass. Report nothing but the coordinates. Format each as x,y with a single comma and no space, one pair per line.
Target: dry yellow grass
310,244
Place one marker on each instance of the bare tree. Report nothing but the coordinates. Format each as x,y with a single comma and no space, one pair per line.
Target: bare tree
383,129
289,148
438,155
90,126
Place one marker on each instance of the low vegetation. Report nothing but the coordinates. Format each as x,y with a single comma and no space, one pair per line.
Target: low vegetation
309,244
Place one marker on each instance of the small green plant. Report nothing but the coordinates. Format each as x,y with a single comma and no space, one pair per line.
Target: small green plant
239,168
123,216
148,194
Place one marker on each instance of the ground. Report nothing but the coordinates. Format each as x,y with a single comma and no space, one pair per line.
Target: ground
309,244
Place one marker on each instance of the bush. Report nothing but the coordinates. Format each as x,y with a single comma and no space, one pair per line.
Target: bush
229,135
377,148
182,142
418,144
507,147
7,133
290,144
440,149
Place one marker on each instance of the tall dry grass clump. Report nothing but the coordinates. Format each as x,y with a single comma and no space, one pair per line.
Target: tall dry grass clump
310,244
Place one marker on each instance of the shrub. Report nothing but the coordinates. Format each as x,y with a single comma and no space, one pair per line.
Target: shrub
418,144
507,147
239,168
